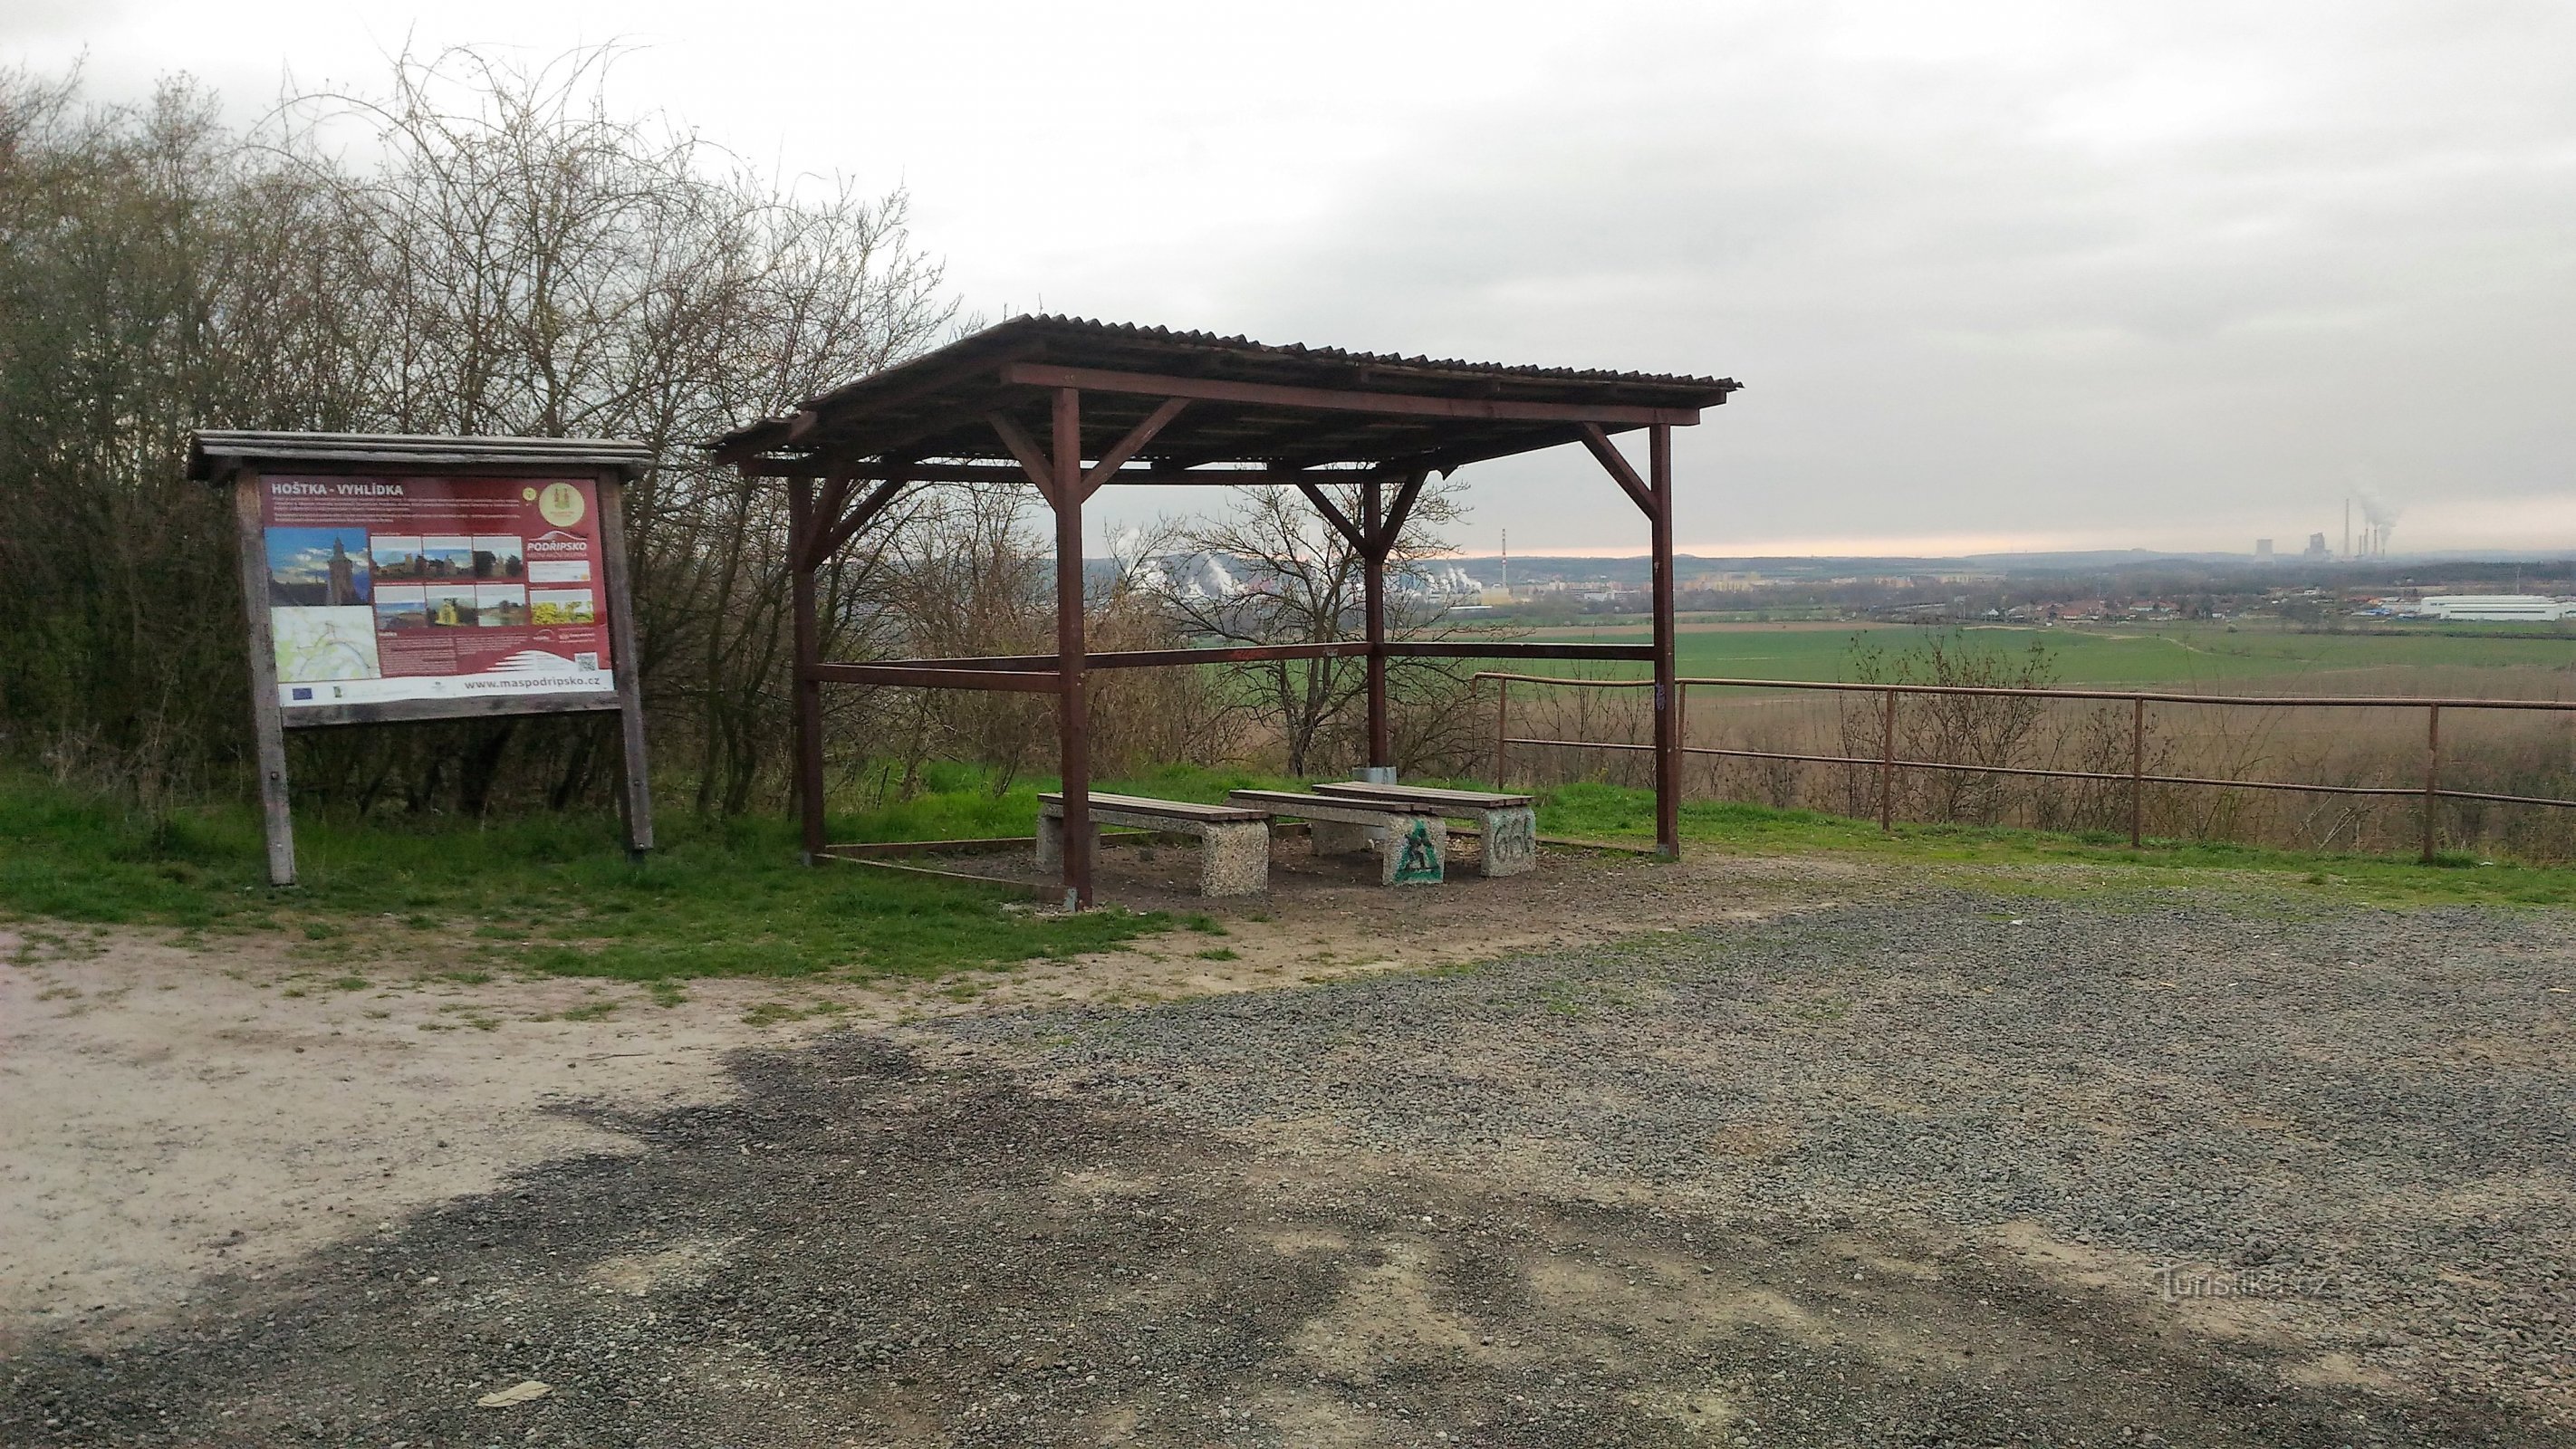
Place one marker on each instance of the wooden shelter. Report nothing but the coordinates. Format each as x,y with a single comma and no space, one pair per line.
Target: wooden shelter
1072,406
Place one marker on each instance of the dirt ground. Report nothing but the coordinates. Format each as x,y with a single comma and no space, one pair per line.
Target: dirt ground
1649,1175
170,1113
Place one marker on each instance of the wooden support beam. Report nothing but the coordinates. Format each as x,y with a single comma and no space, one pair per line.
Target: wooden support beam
835,497
1128,446
1072,704
1514,649
1149,658
1373,546
1403,509
1341,522
1620,471
1033,460
1668,698
801,550
1156,476
1263,394
859,517
914,676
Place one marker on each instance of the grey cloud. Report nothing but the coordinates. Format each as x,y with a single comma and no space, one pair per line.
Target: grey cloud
1971,295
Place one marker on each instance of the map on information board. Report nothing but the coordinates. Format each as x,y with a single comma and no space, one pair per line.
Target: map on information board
385,589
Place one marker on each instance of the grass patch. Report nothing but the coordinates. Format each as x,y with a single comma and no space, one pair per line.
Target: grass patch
1221,953
1623,815
552,894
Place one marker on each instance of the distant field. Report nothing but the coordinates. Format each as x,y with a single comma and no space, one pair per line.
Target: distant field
2174,654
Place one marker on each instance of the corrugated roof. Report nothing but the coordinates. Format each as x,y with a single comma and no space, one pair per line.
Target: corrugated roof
218,452
907,405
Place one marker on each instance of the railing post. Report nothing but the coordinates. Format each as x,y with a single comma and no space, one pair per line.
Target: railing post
2432,773
1887,763
1502,732
2137,770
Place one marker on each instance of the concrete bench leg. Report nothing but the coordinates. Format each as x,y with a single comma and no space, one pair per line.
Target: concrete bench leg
1511,840
1415,852
1050,841
1234,858
1334,837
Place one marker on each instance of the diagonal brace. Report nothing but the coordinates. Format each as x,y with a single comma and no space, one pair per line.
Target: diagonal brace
1393,527
1340,521
842,532
1128,446
1620,471
1033,459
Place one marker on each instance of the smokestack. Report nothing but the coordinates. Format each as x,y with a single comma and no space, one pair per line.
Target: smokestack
2347,528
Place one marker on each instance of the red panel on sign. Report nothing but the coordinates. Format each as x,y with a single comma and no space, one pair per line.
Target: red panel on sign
385,588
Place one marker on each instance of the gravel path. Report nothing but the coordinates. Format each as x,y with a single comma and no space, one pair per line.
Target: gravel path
1886,1173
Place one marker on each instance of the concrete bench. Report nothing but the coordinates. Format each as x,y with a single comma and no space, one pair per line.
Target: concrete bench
1509,823
1412,842
1234,842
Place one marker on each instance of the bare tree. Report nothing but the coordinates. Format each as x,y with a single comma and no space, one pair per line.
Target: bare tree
509,256
1283,574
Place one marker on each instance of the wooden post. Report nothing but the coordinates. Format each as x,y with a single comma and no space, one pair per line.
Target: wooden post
803,530
268,727
1887,762
2137,771
2432,774
1073,721
1381,750
1502,732
637,801
1668,753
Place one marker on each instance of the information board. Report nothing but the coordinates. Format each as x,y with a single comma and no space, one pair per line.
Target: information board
477,590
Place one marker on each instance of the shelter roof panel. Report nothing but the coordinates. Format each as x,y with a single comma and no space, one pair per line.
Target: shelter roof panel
1250,402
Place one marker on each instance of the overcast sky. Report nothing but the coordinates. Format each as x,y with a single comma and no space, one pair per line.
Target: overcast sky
1995,275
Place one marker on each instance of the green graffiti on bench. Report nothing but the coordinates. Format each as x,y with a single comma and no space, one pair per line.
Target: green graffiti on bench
1418,862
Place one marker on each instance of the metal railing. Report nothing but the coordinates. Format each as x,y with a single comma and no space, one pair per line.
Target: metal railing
2431,792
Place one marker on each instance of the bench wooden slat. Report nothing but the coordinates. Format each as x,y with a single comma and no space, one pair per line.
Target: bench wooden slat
1424,795
1165,809
1288,802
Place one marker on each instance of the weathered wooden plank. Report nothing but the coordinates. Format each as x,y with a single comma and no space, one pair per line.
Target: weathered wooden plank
268,730
632,758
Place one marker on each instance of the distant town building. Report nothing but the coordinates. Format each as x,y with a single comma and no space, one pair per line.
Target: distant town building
2495,608
2262,548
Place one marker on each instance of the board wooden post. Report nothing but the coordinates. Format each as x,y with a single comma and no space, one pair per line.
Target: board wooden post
268,729
637,798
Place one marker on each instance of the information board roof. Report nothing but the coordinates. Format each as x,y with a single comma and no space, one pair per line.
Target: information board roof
219,453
